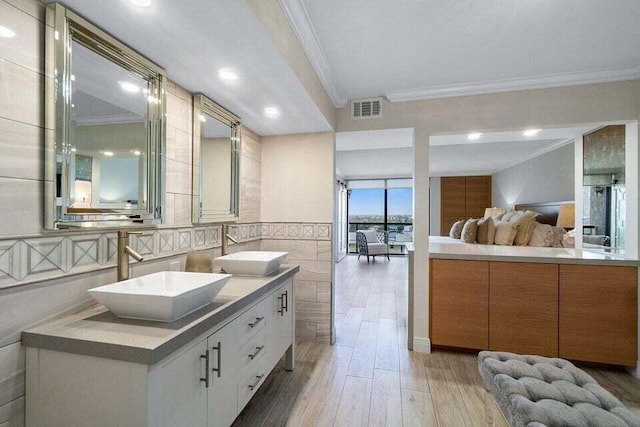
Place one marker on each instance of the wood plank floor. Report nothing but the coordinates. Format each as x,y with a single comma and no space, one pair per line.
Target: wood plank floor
369,378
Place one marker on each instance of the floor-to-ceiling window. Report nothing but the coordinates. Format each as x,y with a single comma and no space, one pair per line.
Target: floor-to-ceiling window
384,205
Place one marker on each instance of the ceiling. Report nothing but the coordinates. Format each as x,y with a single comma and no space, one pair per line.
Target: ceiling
411,49
389,153
192,43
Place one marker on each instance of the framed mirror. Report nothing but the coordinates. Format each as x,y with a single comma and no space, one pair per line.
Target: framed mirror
106,104
604,192
216,162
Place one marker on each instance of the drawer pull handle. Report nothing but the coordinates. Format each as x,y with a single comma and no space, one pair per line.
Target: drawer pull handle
205,356
254,385
258,320
286,301
281,299
258,350
218,348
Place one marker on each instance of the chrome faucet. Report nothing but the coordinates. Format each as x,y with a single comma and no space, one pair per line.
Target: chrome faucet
124,251
225,239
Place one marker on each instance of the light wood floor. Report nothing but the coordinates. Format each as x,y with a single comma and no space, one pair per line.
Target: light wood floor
370,378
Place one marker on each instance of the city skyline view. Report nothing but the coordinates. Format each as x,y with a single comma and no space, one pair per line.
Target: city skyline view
370,202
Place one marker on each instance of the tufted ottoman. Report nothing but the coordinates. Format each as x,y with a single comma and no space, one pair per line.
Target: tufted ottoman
537,391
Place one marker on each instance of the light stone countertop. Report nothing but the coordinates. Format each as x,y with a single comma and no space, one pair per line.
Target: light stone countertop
441,247
98,332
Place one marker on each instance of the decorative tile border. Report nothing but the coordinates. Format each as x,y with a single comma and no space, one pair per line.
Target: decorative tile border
295,231
33,259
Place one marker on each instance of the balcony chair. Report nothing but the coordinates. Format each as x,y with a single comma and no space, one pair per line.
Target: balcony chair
372,243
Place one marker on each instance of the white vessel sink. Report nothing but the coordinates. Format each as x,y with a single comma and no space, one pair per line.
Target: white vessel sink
164,296
252,263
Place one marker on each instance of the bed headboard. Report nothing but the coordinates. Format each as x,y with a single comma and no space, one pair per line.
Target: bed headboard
548,211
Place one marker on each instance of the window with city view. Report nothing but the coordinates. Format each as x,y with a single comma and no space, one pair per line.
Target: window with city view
384,205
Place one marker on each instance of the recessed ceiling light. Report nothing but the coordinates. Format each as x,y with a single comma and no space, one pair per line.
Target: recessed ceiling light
74,149
129,87
271,112
474,136
136,152
6,32
227,74
108,153
202,118
73,77
531,132
141,3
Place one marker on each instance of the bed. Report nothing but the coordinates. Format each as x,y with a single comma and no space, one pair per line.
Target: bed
548,210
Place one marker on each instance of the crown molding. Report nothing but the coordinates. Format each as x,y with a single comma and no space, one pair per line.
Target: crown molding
300,22
512,85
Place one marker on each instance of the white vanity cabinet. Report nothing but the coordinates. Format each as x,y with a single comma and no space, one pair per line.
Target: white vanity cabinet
207,382
280,323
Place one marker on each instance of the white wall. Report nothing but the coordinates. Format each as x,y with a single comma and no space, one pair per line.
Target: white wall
547,178
297,178
377,163
434,206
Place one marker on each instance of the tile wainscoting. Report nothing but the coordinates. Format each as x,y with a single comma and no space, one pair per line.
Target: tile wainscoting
309,245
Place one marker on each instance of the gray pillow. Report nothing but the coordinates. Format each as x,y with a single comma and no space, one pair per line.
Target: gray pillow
456,229
470,231
486,231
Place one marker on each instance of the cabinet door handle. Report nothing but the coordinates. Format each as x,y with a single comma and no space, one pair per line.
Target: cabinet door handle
258,320
286,301
255,384
258,350
218,348
205,356
281,299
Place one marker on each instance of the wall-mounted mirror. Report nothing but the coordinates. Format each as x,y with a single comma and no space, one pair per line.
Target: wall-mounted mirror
216,162
604,195
106,105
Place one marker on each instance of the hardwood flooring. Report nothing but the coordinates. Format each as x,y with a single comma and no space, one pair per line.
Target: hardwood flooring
369,378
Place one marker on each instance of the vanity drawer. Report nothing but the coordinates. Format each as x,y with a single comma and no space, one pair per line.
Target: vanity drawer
252,351
250,382
250,322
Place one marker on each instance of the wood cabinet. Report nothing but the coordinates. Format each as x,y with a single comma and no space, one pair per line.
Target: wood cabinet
523,308
460,303
206,383
598,314
463,197
577,312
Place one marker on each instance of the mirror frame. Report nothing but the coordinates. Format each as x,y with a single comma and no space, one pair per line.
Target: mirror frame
67,28
204,105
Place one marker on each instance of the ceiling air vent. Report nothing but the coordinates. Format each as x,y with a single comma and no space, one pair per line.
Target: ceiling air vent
366,108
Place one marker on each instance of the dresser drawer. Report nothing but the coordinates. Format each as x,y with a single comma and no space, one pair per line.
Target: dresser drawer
250,322
250,382
252,351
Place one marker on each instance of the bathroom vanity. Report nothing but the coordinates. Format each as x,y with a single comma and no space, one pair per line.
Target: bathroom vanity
94,368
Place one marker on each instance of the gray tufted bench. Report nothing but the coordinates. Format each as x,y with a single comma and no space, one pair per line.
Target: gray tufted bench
535,391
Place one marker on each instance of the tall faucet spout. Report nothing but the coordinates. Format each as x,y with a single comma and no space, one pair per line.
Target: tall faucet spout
124,251
135,255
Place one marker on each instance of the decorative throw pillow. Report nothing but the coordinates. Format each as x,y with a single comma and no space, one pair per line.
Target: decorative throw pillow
569,239
507,216
456,229
486,231
505,233
542,236
524,223
558,234
470,231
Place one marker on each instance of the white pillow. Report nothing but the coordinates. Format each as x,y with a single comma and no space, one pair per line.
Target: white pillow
371,235
505,233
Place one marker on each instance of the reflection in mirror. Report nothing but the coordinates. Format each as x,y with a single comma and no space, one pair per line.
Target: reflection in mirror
216,162
604,195
107,108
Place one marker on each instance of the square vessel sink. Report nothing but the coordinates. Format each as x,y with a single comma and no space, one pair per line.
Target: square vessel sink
163,297
252,263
